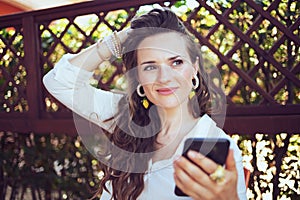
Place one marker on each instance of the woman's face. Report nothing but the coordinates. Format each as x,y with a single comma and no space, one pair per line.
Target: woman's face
165,69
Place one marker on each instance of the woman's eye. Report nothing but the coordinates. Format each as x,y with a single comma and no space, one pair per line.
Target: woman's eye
149,67
177,62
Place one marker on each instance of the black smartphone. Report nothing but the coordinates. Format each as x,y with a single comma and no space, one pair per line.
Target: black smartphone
214,148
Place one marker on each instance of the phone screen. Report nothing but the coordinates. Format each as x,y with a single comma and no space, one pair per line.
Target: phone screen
214,148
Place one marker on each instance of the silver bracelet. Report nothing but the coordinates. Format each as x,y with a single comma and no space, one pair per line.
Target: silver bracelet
114,44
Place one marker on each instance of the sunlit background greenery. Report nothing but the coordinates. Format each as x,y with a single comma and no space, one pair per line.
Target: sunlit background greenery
59,165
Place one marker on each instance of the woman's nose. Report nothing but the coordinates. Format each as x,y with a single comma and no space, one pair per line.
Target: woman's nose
164,74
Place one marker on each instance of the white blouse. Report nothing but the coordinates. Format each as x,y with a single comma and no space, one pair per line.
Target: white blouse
70,85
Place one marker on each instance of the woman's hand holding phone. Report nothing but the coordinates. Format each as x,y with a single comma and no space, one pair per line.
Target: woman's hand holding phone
192,177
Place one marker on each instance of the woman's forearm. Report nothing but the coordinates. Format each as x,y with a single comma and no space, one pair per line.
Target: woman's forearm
90,58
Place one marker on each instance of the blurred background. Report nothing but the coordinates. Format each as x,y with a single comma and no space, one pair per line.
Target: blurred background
255,45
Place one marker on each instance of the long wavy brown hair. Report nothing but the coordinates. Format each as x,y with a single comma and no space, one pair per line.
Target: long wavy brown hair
127,185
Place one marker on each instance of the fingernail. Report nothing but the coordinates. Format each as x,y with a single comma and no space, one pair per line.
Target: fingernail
176,161
192,154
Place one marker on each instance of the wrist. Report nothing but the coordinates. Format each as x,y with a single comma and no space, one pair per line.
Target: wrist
103,51
113,43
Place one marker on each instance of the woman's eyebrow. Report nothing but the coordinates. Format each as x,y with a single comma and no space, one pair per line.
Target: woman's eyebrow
174,57
147,62
151,62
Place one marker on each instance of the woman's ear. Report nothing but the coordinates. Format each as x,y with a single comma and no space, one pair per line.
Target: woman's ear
196,66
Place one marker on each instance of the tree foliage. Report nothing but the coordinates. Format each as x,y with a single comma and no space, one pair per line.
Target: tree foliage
59,167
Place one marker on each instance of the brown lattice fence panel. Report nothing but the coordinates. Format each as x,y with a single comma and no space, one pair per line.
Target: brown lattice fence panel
13,72
254,45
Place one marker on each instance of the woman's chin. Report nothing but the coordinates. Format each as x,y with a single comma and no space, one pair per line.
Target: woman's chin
169,105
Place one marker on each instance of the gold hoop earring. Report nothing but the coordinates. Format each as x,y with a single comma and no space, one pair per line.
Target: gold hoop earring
144,101
138,91
197,82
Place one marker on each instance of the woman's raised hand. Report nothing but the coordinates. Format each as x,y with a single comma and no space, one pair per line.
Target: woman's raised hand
194,178
123,34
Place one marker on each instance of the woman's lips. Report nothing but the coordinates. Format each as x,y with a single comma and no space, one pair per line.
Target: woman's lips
166,91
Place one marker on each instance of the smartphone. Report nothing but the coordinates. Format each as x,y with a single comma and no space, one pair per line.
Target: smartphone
214,148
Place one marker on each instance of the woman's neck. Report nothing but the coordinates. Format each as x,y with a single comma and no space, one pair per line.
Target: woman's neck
175,121
176,124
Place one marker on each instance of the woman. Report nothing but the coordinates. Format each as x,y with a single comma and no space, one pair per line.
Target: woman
168,100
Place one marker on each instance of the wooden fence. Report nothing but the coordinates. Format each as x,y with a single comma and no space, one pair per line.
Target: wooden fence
259,63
